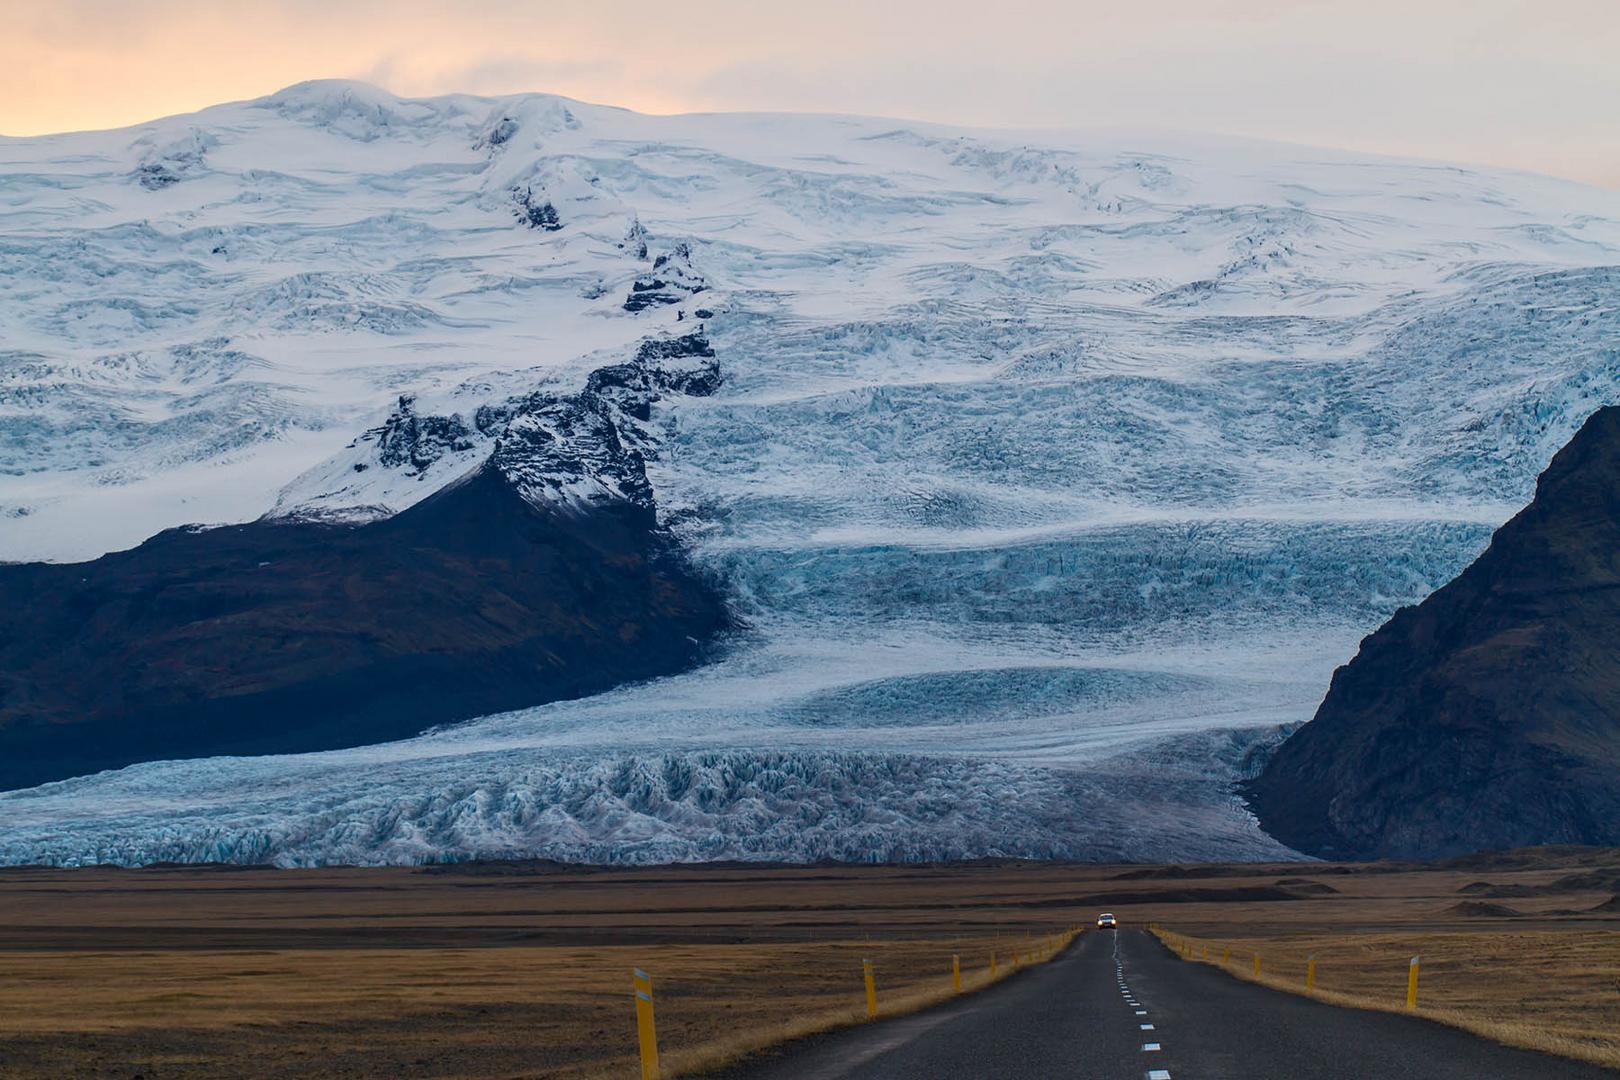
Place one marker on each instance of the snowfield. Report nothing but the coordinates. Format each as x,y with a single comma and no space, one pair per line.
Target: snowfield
1052,472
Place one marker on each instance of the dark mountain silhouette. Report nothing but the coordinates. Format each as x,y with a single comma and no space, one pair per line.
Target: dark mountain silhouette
295,635
1489,715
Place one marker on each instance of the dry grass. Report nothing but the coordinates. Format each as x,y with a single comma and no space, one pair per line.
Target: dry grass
468,976
544,1011
505,972
1553,991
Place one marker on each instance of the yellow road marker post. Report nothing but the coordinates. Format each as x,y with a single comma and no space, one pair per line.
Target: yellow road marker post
956,974
1310,973
1411,983
646,1032
871,990
1226,956
1257,965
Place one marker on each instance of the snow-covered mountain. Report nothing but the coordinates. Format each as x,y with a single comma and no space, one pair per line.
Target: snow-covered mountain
1051,471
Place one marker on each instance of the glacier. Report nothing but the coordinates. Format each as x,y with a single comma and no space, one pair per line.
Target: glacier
1052,473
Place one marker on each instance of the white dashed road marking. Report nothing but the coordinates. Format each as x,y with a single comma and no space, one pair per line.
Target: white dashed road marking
1130,999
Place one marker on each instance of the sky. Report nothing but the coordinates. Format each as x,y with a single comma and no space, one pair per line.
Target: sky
1531,85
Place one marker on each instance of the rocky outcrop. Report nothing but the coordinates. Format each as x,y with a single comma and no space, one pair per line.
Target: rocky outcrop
634,243
541,574
593,445
418,441
556,448
672,280
536,211
167,165
499,132
1489,715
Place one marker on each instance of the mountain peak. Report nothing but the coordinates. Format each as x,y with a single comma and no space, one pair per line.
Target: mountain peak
313,90
355,109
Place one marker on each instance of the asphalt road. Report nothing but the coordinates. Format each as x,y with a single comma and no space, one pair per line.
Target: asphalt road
1122,1006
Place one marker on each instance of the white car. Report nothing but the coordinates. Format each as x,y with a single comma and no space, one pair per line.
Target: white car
1105,921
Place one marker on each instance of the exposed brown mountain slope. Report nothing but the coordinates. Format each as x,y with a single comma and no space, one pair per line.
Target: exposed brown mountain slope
282,636
1489,715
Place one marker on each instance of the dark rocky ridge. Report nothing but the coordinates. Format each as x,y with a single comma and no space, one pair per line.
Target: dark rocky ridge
1489,715
554,447
541,575
635,240
672,280
594,445
536,212
408,439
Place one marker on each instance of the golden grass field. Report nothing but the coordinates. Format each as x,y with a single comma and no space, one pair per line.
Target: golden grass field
524,971
1555,991
1522,948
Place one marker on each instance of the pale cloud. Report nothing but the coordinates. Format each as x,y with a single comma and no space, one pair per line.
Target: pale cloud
489,75
1511,82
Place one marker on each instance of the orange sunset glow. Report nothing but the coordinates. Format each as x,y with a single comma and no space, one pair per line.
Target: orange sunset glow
1502,82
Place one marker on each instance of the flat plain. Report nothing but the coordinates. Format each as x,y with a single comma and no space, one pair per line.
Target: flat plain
523,970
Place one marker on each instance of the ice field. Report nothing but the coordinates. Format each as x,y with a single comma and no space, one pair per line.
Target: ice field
1052,473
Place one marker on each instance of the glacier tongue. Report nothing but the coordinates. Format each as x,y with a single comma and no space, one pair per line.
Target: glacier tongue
1053,472
628,807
